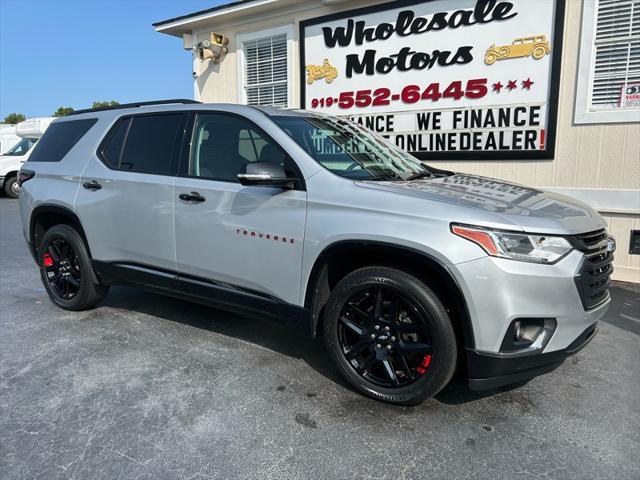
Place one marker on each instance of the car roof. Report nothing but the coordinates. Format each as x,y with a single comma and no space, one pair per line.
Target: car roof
179,105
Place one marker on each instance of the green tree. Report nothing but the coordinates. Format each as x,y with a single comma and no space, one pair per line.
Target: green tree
14,118
62,111
112,103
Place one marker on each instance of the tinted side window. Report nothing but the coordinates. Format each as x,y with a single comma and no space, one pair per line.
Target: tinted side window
113,146
59,138
250,144
222,145
152,144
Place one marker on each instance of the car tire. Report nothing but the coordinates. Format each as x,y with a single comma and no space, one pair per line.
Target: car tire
66,271
423,312
11,187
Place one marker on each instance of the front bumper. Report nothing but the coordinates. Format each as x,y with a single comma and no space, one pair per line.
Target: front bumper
492,371
499,291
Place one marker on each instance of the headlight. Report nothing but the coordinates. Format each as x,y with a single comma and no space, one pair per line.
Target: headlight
516,246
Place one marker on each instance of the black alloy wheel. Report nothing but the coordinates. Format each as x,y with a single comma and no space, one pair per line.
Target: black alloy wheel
66,271
385,337
390,335
62,269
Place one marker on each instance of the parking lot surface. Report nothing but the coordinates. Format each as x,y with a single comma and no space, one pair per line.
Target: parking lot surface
150,387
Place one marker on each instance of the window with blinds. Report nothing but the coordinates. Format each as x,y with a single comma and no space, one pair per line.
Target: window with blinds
616,53
265,65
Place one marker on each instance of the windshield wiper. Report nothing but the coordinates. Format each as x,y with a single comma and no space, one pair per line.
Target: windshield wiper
417,175
382,177
376,178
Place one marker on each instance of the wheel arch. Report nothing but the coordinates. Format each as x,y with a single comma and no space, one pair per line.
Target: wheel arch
46,216
343,257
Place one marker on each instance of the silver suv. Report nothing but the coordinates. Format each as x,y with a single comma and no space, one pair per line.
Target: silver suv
408,272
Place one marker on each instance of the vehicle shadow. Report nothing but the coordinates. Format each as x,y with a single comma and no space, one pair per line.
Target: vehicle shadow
458,391
625,305
262,333
248,329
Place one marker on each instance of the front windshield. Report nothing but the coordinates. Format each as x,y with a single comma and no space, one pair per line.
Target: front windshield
350,150
22,147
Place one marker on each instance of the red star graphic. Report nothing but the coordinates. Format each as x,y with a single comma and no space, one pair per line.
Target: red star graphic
497,87
527,83
512,84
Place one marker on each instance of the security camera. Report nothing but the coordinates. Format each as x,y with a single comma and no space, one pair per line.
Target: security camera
213,48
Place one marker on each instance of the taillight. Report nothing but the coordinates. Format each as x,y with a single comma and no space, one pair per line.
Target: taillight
25,175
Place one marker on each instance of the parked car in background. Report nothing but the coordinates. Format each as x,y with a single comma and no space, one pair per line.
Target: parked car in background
28,133
314,222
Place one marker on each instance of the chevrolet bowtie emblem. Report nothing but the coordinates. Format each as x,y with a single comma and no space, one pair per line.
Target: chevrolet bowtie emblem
611,244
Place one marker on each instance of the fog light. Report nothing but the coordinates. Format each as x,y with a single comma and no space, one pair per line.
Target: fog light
527,331
528,335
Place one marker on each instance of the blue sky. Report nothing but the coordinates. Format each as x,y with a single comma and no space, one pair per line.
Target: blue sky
72,52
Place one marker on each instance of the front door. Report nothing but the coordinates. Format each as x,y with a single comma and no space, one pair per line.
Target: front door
248,237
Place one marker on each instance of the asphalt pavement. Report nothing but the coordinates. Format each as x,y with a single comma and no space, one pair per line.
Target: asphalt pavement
150,387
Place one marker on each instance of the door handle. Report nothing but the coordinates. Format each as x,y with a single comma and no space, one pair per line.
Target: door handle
191,197
92,185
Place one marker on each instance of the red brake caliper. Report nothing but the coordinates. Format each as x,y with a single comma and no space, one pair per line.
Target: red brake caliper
424,364
47,261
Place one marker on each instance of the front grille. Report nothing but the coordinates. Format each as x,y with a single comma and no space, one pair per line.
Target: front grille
593,278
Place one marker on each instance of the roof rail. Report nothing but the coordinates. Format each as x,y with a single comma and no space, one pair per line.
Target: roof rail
136,104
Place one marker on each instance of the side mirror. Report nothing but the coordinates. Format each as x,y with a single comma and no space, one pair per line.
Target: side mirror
265,174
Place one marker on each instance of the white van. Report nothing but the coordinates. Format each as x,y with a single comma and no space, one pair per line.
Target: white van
8,137
28,133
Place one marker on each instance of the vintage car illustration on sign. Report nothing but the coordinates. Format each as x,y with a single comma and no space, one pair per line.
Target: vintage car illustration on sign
317,72
536,46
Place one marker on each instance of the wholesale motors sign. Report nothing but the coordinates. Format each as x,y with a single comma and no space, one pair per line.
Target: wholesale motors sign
443,79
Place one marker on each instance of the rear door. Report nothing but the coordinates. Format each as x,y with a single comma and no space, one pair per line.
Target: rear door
249,237
125,201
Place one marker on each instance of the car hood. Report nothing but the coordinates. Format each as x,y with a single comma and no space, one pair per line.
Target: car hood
11,157
499,204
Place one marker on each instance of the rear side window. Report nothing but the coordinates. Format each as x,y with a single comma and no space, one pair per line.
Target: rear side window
113,147
59,138
151,145
145,144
